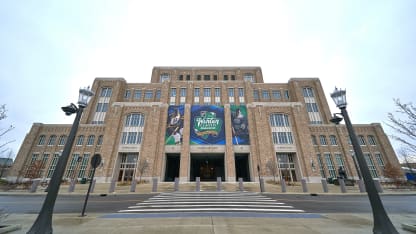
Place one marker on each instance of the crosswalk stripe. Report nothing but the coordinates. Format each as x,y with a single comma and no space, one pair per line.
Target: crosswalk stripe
190,202
213,209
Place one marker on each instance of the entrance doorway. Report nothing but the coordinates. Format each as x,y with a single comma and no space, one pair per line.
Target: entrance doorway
207,166
172,166
286,162
242,169
127,170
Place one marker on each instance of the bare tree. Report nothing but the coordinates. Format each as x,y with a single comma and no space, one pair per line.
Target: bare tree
393,172
272,167
142,167
3,131
404,123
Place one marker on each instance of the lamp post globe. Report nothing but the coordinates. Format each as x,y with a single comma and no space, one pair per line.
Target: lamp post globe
43,223
382,223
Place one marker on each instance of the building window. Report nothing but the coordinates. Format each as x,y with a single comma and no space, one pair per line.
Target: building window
276,94
379,160
90,140
180,77
340,161
282,138
164,77
102,107
173,92
80,140
279,120
183,92
198,77
148,94
248,77
311,107
134,120
330,165
232,77
231,92
207,92
322,139
207,77
215,77
371,140
70,172
225,77
158,94
370,164
188,77
52,140
106,92
265,94
100,140
137,94
52,165
127,94
314,142
217,92
321,165
196,92
129,138
361,140
256,95
287,94
333,140
241,92
308,92
62,140
83,166
41,140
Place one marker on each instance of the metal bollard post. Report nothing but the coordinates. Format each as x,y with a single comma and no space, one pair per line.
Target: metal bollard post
198,184
176,187
342,185
262,185
71,187
218,183
133,185
283,185
361,186
240,184
154,187
34,186
112,186
93,185
304,186
324,185
378,186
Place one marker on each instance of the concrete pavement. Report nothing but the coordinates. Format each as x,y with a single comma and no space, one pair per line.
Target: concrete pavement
105,223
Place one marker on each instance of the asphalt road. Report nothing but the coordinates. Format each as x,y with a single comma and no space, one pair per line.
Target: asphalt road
31,204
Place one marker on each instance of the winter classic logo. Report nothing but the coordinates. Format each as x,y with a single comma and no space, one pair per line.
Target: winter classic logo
207,124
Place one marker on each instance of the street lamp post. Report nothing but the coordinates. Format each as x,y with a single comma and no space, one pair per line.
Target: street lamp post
355,164
43,223
382,223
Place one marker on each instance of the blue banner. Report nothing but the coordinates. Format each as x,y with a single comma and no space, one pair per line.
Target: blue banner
207,125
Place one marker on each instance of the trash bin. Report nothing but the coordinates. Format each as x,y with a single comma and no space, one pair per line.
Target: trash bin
83,180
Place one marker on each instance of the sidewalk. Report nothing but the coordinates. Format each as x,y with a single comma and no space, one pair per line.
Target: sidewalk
104,223
95,223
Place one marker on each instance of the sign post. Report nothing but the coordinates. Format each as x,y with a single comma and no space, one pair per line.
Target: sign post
95,161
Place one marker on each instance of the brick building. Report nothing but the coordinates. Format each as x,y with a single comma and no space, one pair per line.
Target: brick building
206,122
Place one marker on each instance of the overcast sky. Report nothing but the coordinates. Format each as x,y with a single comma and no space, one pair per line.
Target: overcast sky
48,49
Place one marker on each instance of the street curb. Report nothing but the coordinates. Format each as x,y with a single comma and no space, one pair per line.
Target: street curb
8,228
408,227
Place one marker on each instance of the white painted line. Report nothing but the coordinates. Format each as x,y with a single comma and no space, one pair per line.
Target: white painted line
212,202
211,209
232,205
